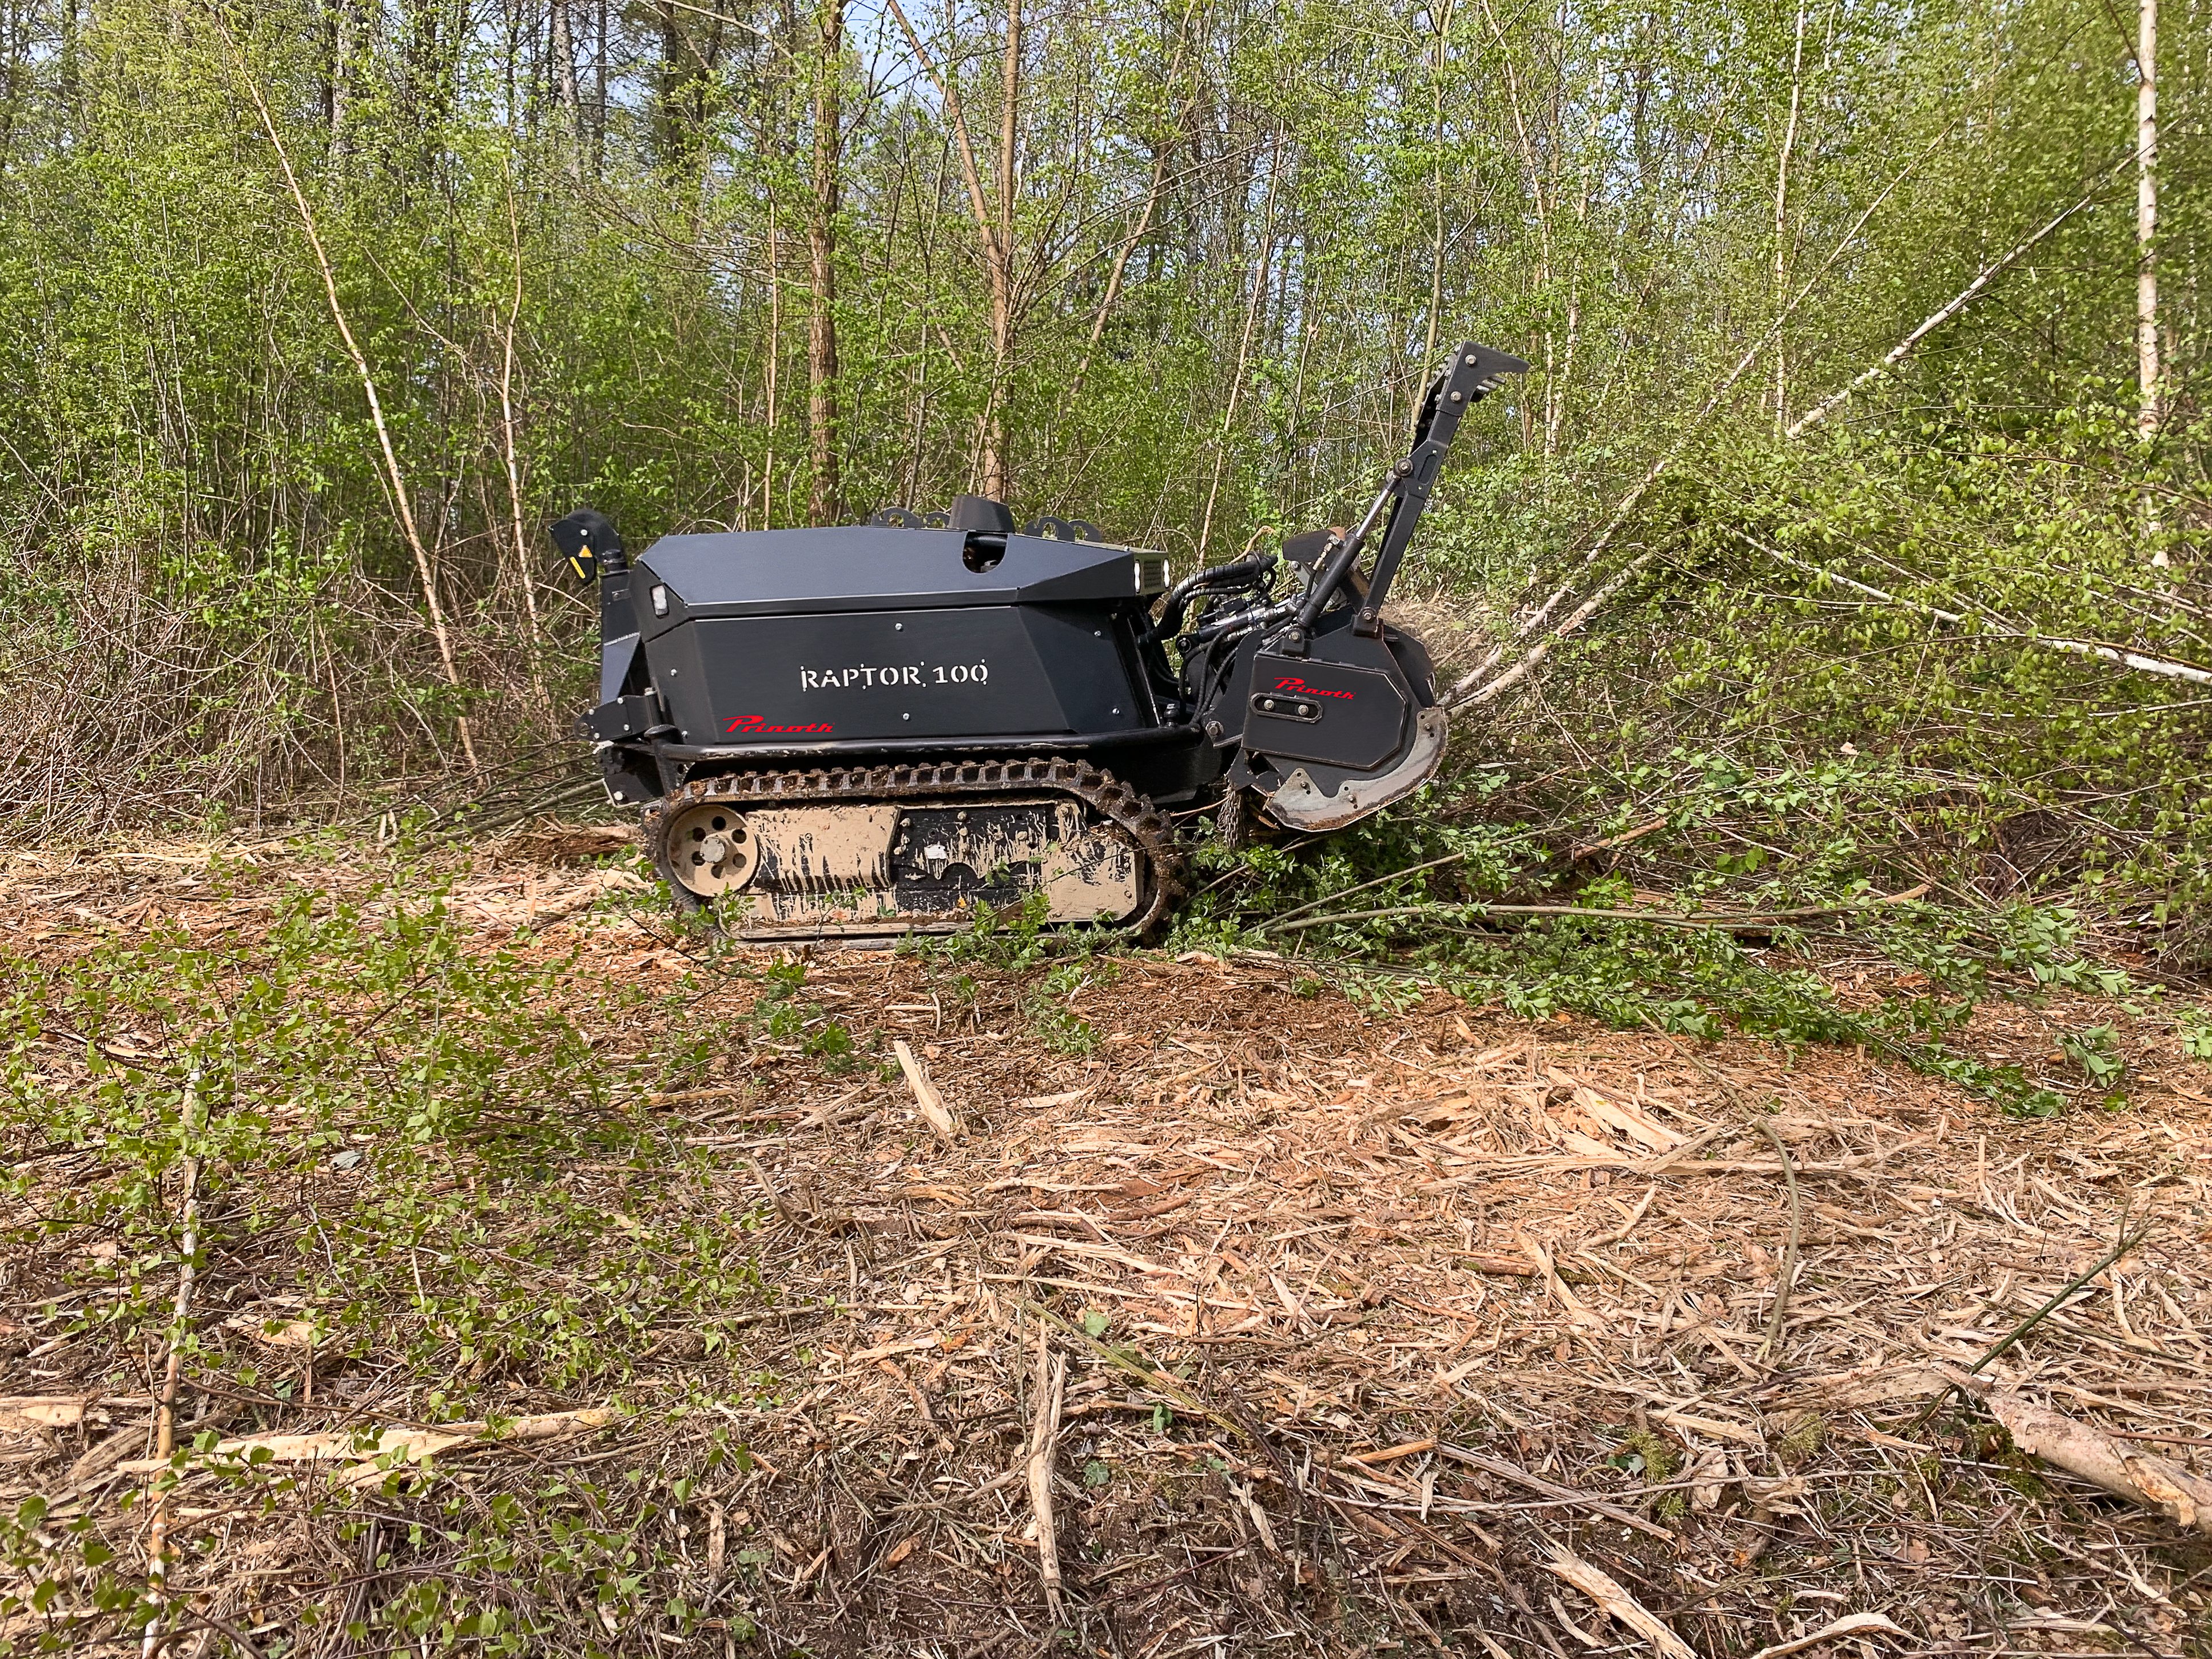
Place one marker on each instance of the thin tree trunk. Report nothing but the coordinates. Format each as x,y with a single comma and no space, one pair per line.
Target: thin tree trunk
344,22
395,478
507,448
1160,155
1554,383
1436,239
564,76
775,352
1782,222
822,504
2148,368
600,93
1244,347
2147,353
995,469
998,249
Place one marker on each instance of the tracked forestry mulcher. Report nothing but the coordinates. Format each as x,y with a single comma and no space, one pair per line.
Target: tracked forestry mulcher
879,729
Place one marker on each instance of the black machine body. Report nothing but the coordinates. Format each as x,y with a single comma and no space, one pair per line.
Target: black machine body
874,729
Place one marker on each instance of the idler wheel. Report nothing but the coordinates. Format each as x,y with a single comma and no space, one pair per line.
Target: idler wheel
708,849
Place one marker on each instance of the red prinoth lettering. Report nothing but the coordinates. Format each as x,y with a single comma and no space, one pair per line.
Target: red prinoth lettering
1293,683
756,726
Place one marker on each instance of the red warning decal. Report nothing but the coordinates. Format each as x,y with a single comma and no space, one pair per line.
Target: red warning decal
756,726
1293,683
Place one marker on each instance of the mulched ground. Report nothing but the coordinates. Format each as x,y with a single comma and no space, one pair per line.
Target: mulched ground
1362,1334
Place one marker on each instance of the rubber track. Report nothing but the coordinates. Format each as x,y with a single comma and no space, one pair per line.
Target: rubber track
1149,826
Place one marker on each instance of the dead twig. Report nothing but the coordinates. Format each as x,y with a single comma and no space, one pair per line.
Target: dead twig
2002,1345
1552,1489
1044,1439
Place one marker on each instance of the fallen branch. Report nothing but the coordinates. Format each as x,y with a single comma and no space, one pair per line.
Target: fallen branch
1620,839
2141,1477
1589,607
2142,662
768,1187
1725,920
1935,320
1361,887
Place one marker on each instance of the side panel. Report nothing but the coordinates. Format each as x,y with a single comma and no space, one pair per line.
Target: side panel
1081,651
973,671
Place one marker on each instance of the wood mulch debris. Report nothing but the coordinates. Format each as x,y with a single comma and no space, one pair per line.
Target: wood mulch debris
1314,1331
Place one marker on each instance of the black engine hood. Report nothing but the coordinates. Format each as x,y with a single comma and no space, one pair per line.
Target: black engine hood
874,568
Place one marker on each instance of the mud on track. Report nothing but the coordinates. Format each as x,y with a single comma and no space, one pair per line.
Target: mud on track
1440,1331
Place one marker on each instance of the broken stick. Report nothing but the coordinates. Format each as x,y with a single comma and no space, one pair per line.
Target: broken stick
1606,1590
2157,1483
165,1402
926,1096
1044,1437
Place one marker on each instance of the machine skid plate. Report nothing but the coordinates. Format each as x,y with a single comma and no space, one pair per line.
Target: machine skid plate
883,851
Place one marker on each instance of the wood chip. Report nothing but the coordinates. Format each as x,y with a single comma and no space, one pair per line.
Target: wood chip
933,1108
1851,1624
1623,1608
22,1412
1045,1439
362,1446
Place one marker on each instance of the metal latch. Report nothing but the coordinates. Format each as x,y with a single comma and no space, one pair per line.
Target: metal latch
1281,708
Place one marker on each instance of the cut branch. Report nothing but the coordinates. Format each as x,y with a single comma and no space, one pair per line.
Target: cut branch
1935,320
165,1402
2142,662
1535,621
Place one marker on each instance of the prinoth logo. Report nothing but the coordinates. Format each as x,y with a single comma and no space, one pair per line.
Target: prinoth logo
895,674
756,726
1293,683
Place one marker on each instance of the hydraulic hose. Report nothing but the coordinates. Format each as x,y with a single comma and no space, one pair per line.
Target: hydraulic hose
1221,575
